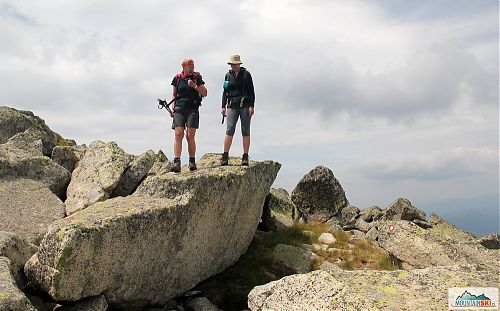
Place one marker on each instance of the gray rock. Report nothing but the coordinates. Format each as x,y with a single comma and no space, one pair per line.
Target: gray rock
16,249
278,212
491,241
422,223
96,176
441,245
370,214
279,201
97,303
326,238
326,265
403,209
362,225
160,168
337,289
356,234
175,231
19,163
27,141
27,208
11,297
346,215
135,173
14,122
372,234
295,258
161,156
318,196
68,156
200,304
335,228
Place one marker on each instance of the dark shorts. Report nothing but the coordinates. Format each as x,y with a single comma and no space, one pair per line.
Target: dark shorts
186,118
232,118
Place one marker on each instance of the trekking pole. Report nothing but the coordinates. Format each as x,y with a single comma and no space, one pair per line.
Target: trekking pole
163,104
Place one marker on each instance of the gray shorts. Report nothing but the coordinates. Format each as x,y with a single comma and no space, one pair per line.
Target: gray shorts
232,118
186,118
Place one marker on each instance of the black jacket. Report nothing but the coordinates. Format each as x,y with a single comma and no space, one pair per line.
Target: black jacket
238,87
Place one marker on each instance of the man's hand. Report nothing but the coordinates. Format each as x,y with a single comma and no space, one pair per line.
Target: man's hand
223,111
250,111
191,83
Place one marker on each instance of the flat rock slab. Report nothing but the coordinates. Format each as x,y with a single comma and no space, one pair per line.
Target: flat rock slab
441,245
175,231
17,163
335,289
27,208
11,297
96,176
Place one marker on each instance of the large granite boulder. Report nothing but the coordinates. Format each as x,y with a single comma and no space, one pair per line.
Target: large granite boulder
14,122
27,208
173,232
279,211
135,173
28,162
441,245
96,176
319,196
337,289
11,297
402,208
68,156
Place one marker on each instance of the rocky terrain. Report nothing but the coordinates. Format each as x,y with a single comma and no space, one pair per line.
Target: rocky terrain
94,228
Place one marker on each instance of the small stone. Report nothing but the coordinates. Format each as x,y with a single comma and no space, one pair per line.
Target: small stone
335,228
327,238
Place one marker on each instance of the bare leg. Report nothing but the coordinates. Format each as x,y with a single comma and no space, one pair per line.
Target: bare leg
246,144
228,140
179,135
191,132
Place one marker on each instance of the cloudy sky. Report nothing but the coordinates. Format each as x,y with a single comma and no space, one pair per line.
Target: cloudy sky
398,98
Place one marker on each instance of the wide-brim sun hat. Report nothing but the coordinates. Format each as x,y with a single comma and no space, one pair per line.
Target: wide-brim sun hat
234,60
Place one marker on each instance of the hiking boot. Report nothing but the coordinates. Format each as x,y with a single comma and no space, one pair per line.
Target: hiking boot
176,168
192,165
244,159
225,159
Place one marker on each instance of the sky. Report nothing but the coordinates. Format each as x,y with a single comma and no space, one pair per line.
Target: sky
397,98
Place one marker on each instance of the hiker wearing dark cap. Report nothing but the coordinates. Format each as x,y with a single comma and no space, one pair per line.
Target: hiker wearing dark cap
238,101
188,90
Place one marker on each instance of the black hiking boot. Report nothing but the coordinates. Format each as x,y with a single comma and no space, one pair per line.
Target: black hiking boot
176,168
244,159
225,159
192,165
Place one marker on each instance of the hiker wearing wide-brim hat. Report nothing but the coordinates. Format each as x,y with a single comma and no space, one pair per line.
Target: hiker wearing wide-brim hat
188,91
238,99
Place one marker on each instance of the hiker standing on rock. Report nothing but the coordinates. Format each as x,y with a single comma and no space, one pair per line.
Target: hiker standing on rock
188,91
238,100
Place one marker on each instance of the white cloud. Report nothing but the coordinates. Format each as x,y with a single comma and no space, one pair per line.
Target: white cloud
455,163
